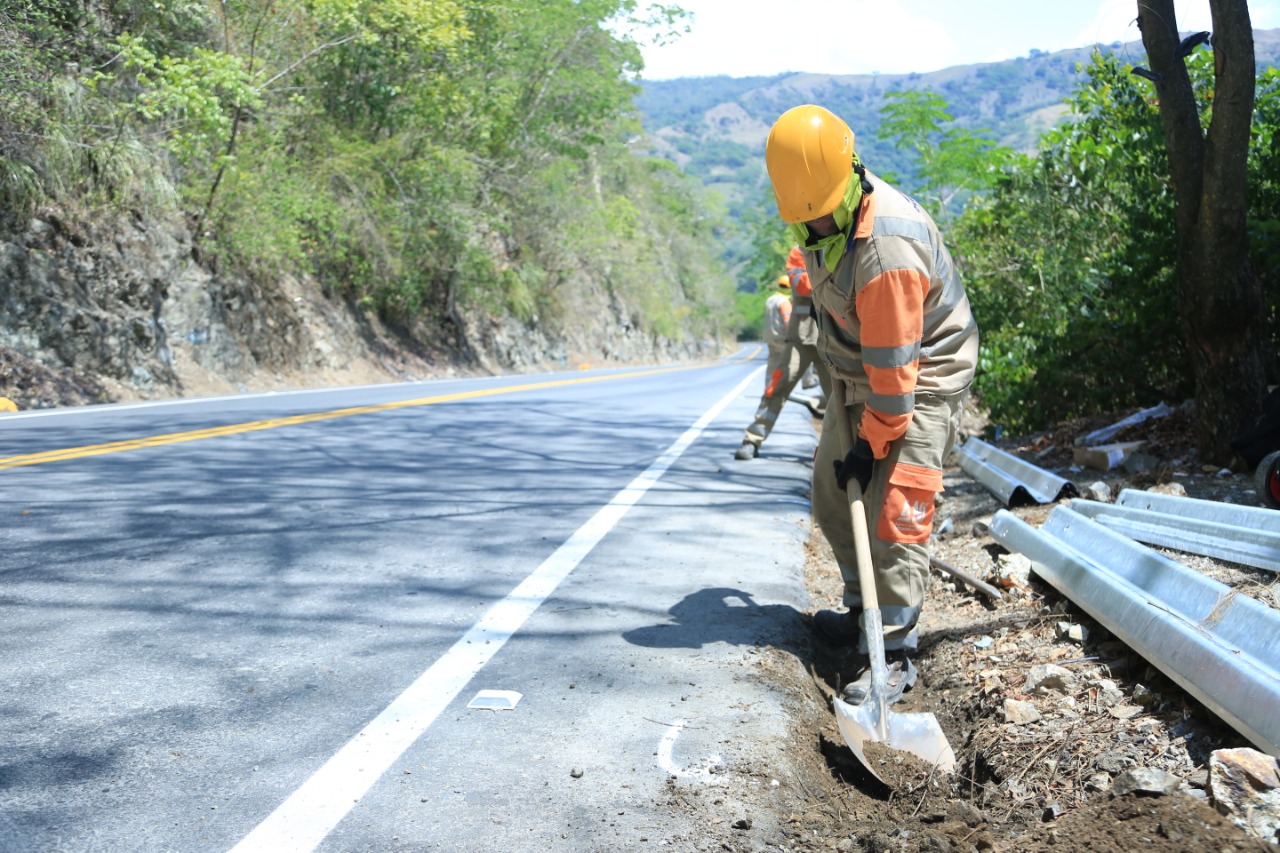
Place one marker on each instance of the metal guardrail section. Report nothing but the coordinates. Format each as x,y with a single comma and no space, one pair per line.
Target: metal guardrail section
1246,535
1013,480
1255,517
1220,646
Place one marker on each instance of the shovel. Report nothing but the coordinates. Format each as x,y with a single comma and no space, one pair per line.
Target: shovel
872,721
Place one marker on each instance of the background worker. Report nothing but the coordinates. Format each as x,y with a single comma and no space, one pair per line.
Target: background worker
797,357
781,370
897,334
803,333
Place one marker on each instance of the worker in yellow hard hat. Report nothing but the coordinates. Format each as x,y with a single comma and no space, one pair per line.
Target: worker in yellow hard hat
804,328
788,360
897,334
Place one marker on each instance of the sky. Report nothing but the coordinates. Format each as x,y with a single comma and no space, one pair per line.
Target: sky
748,38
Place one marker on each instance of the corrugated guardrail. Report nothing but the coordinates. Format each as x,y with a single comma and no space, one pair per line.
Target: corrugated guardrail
1218,644
1240,534
1014,481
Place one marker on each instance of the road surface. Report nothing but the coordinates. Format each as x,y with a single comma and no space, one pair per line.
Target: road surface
257,622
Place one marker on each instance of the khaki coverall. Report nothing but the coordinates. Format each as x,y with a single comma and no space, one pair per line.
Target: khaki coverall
898,333
803,332
790,334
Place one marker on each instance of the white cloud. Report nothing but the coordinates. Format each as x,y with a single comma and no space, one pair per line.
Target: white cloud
880,36
746,38
846,38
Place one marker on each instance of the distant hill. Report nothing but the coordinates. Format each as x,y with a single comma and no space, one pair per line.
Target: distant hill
714,127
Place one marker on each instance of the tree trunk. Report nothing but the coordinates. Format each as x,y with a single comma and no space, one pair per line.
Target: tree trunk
1220,298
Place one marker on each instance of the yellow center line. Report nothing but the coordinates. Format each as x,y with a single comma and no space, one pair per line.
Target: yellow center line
254,426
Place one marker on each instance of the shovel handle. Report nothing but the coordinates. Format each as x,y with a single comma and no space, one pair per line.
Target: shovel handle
872,621
857,508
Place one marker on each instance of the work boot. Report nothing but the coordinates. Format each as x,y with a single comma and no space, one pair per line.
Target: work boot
901,677
836,629
747,451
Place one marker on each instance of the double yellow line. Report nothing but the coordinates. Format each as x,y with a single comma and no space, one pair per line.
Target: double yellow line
274,423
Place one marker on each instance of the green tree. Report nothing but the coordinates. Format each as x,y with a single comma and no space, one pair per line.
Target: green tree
1220,297
952,162
1071,260
1264,201
770,244
194,99
450,164
374,56
1069,264
24,80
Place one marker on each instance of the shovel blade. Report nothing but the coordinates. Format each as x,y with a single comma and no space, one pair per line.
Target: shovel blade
918,734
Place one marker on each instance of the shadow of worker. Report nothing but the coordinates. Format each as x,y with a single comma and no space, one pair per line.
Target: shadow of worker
723,615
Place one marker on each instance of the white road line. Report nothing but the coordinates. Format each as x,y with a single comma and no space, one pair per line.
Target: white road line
302,821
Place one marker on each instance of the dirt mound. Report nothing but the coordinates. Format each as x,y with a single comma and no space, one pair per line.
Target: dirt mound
1062,733
1137,822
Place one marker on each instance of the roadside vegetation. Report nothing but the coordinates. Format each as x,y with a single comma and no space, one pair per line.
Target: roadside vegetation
424,158
1071,254
1072,262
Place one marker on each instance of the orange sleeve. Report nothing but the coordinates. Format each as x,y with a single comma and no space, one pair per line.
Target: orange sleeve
891,313
880,430
799,276
891,308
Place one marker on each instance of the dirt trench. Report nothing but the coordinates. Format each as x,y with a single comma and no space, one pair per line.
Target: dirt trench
1054,777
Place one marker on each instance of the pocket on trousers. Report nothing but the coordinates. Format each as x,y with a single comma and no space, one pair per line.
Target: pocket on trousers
906,514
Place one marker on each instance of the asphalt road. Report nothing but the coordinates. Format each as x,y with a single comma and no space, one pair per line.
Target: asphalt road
257,622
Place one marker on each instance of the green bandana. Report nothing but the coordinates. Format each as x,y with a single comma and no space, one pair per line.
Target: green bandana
833,247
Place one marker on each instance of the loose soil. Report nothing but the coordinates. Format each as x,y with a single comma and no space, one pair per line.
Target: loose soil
1037,786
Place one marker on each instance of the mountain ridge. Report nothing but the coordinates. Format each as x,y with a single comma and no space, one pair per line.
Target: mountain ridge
714,127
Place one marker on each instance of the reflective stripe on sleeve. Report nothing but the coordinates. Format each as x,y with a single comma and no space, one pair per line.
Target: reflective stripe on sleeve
890,357
898,226
897,404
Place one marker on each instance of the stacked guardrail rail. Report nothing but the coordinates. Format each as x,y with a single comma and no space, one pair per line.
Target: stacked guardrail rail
1218,644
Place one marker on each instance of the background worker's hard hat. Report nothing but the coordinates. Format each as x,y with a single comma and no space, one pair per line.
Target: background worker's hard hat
783,282
809,155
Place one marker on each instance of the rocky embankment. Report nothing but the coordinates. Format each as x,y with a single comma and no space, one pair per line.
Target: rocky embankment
132,308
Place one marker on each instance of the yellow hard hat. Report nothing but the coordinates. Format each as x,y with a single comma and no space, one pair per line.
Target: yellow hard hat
809,155
784,282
